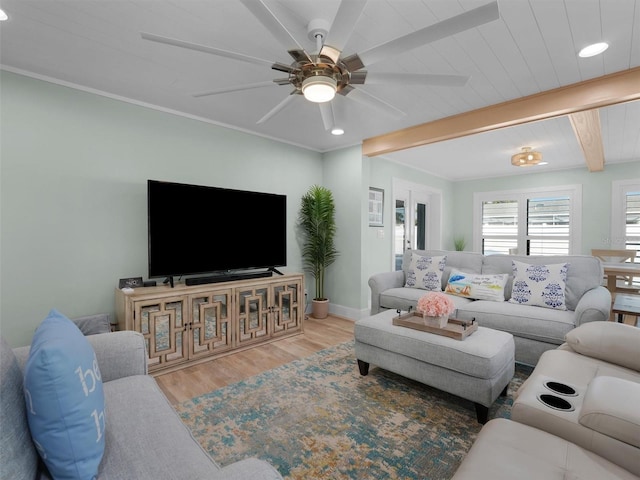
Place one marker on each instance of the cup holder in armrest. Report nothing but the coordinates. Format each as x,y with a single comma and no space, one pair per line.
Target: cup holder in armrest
561,389
556,403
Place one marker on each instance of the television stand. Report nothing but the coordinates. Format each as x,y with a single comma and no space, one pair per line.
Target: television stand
275,270
187,325
227,277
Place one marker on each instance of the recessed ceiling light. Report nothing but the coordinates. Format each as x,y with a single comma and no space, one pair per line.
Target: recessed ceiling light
337,131
594,49
3,15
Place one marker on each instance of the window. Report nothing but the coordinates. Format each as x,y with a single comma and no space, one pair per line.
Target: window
531,222
625,216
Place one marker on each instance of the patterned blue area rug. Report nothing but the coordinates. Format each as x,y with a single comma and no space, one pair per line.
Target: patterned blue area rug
317,418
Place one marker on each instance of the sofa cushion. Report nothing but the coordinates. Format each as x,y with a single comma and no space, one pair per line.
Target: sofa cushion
18,457
612,342
425,272
506,450
402,298
65,400
133,452
541,324
477,286
539,285
611,407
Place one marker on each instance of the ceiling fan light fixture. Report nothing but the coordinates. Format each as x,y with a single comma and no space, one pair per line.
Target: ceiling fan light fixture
526,158
319,88
593,49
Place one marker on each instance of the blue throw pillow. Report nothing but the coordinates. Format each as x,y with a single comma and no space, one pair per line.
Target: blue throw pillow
65,400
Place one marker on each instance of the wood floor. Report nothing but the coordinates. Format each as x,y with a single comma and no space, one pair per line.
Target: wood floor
189,382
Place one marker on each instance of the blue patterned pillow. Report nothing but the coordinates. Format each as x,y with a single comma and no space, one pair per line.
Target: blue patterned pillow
539,285
65,401
426,272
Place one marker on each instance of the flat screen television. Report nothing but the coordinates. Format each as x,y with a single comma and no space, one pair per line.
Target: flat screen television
195,229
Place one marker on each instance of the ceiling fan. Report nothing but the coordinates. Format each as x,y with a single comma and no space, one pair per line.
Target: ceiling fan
319,76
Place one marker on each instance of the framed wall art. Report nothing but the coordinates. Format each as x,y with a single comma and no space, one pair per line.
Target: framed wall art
376,207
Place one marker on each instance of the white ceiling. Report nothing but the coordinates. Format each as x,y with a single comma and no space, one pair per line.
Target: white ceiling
533,47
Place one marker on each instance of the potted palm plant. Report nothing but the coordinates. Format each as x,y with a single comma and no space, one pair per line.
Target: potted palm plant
318,227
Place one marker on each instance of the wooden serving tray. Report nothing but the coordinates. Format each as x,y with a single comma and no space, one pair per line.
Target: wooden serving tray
456,329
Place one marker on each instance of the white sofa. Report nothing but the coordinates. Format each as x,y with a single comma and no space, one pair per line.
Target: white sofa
601,362
597,437
535,329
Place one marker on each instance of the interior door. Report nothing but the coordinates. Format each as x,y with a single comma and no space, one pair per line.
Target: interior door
411,225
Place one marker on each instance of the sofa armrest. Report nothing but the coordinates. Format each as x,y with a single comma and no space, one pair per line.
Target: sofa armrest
594,305
93,324
250,469
610,407
120,354
381,282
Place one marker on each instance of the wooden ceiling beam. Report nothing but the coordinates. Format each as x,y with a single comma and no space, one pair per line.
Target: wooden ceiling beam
610,89
586,126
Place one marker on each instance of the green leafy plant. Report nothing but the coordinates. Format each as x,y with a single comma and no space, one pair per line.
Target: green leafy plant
459,243
318,227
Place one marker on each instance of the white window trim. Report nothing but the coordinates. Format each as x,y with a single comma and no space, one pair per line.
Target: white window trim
573,191
619,190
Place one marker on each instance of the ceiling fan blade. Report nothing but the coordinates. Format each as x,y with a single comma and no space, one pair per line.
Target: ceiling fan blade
203,48
446,28
347,17
416,79
236,88
267,18
366,98
326,111
277,108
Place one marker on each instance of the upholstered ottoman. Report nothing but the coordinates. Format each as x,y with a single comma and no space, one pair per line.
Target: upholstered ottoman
477,368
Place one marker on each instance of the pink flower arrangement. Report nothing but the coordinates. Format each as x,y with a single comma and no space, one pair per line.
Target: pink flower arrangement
435,304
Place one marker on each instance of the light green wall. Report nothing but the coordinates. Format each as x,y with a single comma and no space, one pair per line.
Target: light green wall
73,177
377,251
343,176
73,192
596,198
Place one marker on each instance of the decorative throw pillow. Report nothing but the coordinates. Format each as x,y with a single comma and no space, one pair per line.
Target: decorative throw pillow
539,285
426,272
479,287
65,400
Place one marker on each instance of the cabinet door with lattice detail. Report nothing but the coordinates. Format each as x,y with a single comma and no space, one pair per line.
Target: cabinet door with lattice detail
287,307
252,314
162,323
211,330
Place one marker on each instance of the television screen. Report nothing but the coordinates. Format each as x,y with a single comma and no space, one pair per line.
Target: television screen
196,229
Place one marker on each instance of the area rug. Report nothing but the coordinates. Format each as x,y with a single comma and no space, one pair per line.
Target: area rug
318,418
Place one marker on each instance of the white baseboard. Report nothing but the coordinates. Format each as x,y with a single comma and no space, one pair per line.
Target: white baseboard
348,312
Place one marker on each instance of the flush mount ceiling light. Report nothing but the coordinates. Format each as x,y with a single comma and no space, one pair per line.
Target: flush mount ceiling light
592,50
3,16
526,158
337,131
319,88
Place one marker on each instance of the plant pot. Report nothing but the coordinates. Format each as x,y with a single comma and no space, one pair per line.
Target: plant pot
438,322
320,308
